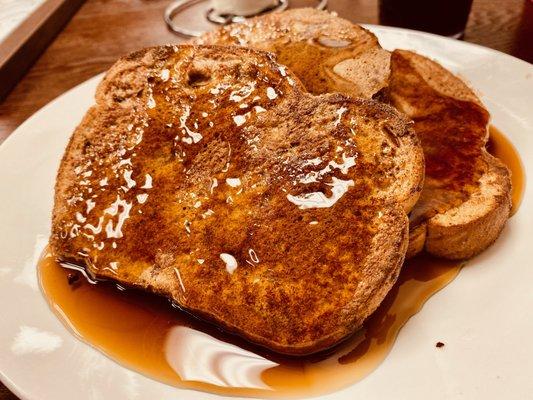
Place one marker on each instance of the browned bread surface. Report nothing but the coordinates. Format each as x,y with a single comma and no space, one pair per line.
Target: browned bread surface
211,177
450,120
329,54
466,197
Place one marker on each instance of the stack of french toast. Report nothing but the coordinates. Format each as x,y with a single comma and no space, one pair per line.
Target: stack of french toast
273,176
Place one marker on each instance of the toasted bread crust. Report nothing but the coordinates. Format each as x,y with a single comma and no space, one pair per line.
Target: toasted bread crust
417,239
211,177
466,199
465,231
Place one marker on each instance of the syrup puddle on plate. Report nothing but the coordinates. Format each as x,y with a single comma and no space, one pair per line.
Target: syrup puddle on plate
144,333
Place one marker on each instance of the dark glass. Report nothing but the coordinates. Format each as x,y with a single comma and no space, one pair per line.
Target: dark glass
443,17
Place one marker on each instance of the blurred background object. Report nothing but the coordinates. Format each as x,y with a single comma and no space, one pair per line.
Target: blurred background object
523,45
443,17
13,12
244,8
191,18
26,29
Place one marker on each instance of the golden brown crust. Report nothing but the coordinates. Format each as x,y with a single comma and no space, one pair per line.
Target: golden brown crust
466,197
465,231
417,240
329,54
209,175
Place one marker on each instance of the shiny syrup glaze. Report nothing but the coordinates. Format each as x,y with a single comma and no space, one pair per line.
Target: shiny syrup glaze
165,344
236,194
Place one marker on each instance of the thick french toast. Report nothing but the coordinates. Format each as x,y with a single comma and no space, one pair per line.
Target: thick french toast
210,176
329,54
466,198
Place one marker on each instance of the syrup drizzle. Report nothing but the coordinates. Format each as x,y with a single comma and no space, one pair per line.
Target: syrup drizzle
168,345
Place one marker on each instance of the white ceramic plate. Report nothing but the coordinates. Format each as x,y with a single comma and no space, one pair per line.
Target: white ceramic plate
483,316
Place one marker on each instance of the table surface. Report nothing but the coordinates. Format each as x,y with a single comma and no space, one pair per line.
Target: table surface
104,30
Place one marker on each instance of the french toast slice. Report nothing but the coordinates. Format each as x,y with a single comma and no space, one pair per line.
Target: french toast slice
210,176
466,197
328,53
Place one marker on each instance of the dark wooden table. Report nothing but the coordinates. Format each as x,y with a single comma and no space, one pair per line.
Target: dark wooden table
103,30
